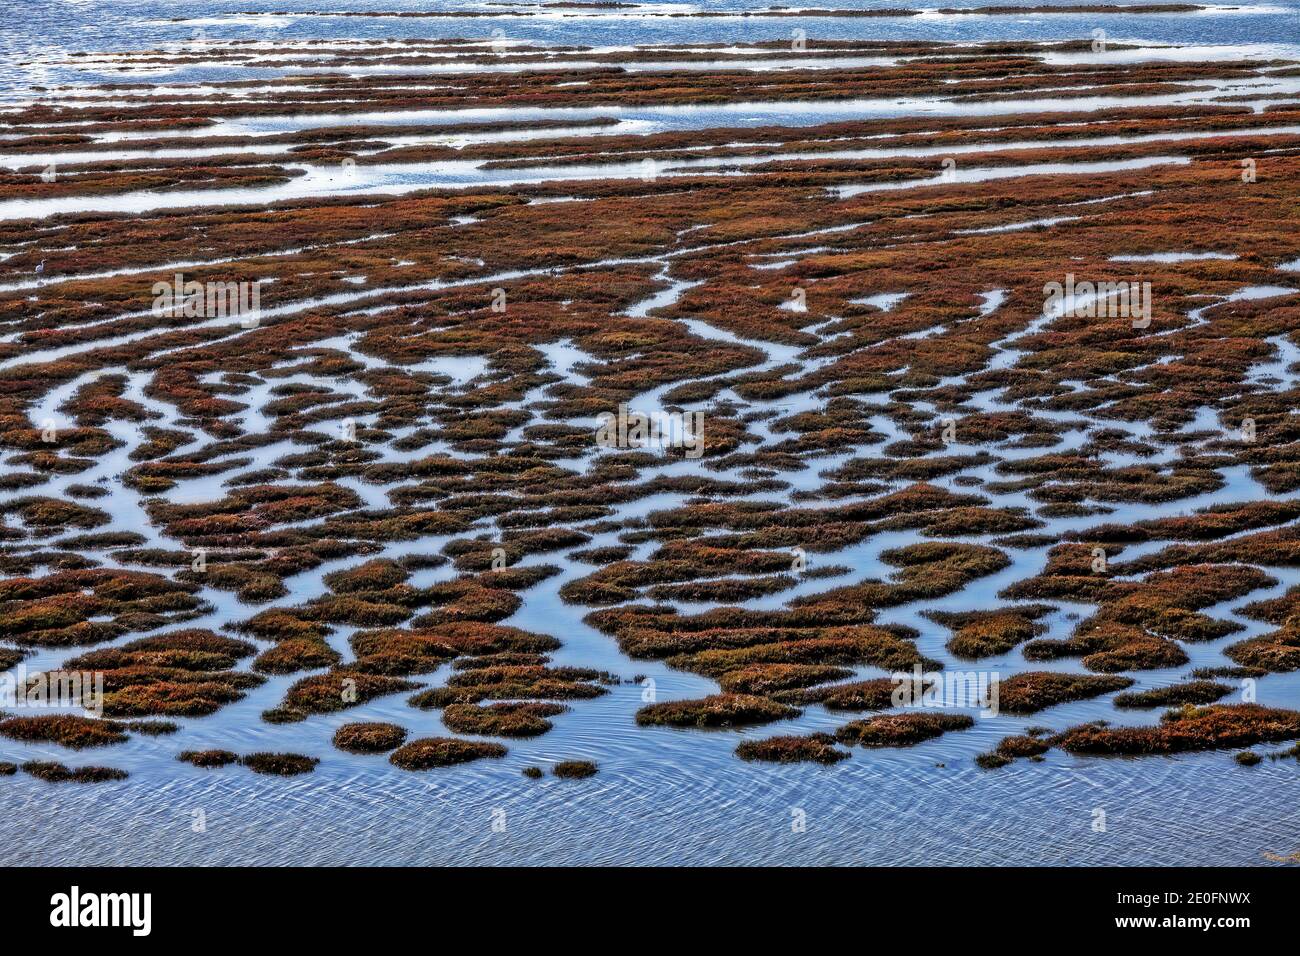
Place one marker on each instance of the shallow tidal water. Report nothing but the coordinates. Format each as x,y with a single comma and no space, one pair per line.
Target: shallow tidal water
662,796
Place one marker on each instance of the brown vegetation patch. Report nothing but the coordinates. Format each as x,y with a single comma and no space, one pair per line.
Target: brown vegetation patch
209,758
814,748
369,738
1275,652
766,680
1012,748
181,673
574,769
717,710
500,720
1190,692
901,730
67,609
1109,648
64,729
979,634
279,764
339,689
515,682
52,772
1031,691
876,694
1215,727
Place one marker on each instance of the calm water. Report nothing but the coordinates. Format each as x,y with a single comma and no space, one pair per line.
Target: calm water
662,796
